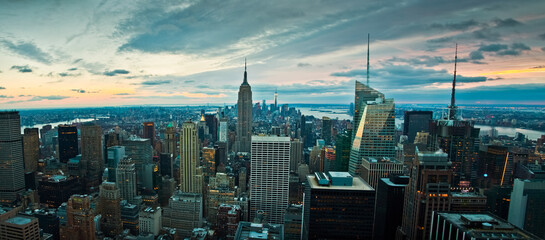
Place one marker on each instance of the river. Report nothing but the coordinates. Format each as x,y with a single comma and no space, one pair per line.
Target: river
54,124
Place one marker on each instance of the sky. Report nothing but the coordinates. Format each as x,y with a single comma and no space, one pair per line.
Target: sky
90,53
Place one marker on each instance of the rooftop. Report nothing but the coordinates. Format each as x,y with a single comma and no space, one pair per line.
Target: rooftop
270,138
357,184
19,220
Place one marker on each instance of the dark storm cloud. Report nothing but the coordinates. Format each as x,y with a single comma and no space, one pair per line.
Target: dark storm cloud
456,26
493,47
508,22
155,82
486,34
28,50
476,55
515,50
116,72
23,69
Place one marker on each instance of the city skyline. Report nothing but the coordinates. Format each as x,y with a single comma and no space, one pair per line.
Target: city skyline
123,53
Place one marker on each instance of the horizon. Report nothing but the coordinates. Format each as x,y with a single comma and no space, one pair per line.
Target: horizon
122,53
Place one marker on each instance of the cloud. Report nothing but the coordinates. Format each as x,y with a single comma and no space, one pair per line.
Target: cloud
65,74
476,55
155,82
515,50
543,49
459,26
51,98
23,69
78,90
520,46
28,50
440,40
486,34
116,72
493,47
508,22
425,60
122,94
4,96
72,69
301,65
189,81
2,88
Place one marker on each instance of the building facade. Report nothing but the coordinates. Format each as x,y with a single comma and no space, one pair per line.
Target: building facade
244,114
11,157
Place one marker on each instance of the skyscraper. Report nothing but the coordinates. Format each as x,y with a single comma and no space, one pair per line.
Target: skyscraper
31,148
373,169
189,159
11,157
92,156
244,121
109,207
149,132
527,207
68,142
296,154
184,212
126,179
374,127
389,206
141,152
171,141
326,130
337,206
80,219
416,121
269,177
428,190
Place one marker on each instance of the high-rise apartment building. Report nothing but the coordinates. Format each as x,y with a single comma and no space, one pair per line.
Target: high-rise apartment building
374,124
527,207
92,156
109,207
428,190
126,179
190,182
31,141
244,114
416,121
337,206
12,173
80,219
269,177
68,142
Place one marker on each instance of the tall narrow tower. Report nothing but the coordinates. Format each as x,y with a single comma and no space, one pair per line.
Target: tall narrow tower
452,107
92,156
244,122
275,99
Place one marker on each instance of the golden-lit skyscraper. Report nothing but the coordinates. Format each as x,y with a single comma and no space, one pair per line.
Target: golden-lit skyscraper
244,121
189,159
11,157
171,145
149,132
31,141
80,219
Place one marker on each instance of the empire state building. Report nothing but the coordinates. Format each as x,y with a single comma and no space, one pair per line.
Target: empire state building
244,122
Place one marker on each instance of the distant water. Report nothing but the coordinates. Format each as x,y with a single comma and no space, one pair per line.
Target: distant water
340,113
54,124
509,131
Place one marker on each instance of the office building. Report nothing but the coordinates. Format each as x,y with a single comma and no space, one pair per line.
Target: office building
109,207
150,221
326,130
373,169
68,142
80,219
19,227
342,151
141,152
472,202
389,206
170,144
11,157
244,114
184,212
126,179
228,217
265,231
92,156
495,167
114,155
296,151
31,141
428,190
337,206
416,121
208,162
374,131
130,217
269,177
48,222
189,159
56,189
527,207
293,220
148,132
461,226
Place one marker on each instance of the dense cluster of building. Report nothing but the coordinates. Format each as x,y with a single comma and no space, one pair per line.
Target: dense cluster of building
258,171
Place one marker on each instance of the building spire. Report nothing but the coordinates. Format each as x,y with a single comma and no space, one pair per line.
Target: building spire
368,36
452,107
245,81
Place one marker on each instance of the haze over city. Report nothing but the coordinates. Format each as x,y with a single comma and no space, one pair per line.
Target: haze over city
110,53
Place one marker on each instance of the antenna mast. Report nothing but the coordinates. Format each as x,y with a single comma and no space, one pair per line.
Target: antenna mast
368,59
